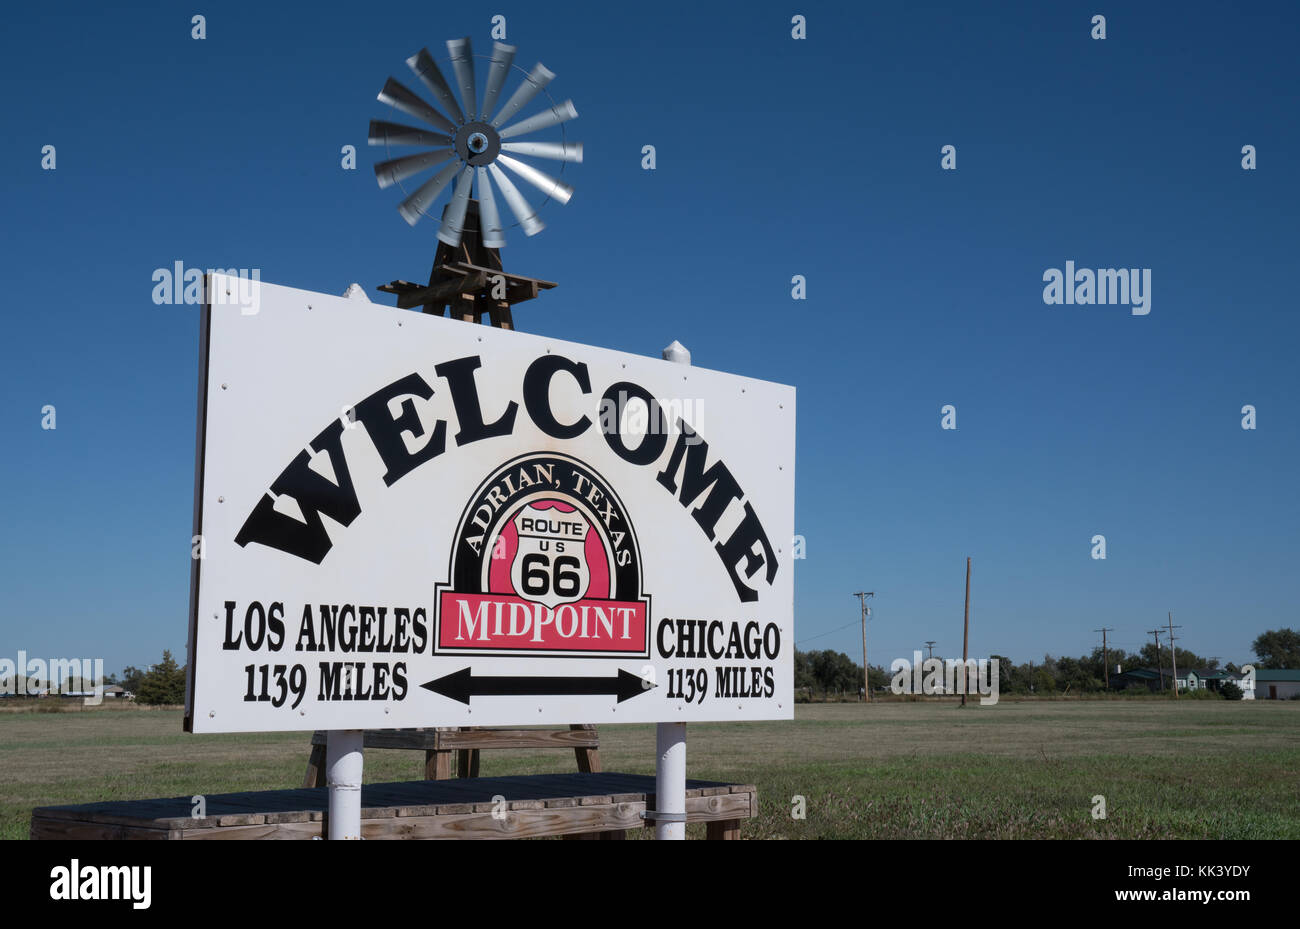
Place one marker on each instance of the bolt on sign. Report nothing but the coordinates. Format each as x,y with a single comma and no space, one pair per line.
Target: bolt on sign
407,520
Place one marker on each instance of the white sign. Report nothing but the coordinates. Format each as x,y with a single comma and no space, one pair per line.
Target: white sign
404,520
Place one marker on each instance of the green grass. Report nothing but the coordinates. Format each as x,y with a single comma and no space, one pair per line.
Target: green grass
1192,769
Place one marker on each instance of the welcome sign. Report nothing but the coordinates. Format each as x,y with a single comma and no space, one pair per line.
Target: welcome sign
403,520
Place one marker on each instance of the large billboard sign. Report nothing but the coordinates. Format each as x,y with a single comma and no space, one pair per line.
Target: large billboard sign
403,520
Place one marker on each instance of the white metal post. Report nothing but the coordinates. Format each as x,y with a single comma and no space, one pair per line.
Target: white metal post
343,761
670,779
670,738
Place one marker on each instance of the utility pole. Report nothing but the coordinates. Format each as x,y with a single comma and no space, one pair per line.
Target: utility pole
965,638
1173,652
1105,654
1159,664
866,670
930,643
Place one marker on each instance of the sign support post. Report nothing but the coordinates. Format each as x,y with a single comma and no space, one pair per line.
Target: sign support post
670,738
343,762
670,781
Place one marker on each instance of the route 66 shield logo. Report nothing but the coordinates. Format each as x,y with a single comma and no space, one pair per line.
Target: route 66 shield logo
550,564
537,569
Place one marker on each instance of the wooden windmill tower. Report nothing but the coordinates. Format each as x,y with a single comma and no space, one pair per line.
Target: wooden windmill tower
469,281
470,146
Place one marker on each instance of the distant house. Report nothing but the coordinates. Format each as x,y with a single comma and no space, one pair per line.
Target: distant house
1206,679
111,692
1275,684
1136,678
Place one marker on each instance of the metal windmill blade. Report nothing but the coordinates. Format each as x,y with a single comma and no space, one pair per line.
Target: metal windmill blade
468,142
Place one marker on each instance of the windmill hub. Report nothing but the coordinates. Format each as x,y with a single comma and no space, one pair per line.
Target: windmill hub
477,144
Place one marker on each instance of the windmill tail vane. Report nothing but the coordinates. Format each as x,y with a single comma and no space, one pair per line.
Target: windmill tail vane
471,141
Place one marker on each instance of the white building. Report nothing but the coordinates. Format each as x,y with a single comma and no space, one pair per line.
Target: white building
1274,684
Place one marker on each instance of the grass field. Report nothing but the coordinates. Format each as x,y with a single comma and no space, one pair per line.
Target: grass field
1193,769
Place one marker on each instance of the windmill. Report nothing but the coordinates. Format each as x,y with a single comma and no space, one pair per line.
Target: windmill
470,143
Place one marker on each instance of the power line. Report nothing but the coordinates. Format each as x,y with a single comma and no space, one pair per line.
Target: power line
824,634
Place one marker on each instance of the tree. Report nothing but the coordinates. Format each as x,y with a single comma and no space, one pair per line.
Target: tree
1079,674
1012,678
1278,648
131,678
879,677
803,675
1187,661
163,684
833,672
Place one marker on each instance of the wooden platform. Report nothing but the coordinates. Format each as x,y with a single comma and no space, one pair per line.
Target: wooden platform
533,805
438,746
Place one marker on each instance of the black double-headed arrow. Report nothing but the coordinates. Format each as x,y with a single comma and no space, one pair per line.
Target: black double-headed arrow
461,685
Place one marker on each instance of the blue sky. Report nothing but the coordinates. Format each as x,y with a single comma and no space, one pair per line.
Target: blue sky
775,157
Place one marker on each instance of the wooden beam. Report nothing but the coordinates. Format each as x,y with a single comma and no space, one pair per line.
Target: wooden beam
465,267
399,287
576,737
722,829
442,292
315,776
520,738
588,754
437,765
